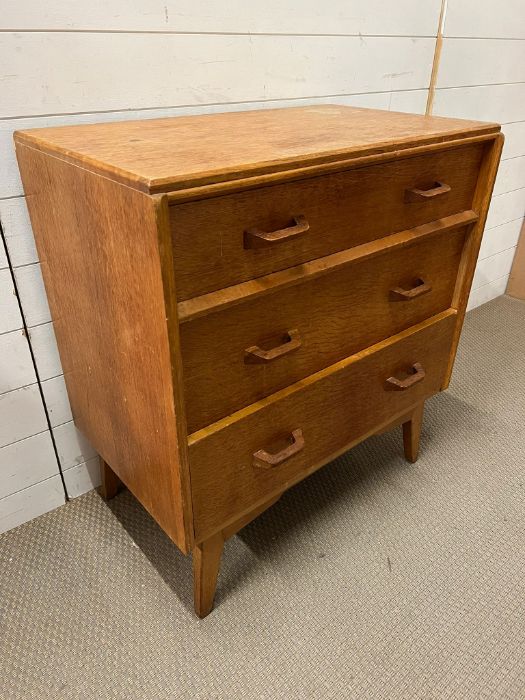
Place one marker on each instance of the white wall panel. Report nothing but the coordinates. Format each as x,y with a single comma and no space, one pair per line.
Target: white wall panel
144,70
407,17
25,505
498,103
487,292
57,403
16,364
10,318
493,267
485,18
500,238
72,447
82,477
408,101
32,294
3,257
45,350
514,139
17,231
480,62
21,414
506,207
26,462
511,175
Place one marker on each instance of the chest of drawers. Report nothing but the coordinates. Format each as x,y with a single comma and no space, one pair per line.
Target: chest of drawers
239,298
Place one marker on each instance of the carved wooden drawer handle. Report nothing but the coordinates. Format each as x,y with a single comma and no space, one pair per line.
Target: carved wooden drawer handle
418,374
255,238
256,355
265,460
420,288
415,195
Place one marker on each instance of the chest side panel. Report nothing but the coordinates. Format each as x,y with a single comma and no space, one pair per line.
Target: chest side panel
100,245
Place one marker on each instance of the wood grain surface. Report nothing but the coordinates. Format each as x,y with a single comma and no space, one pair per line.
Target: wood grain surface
516,286
342,210
335,316
239,298
482,196
167,154
334,408
213,302
102,259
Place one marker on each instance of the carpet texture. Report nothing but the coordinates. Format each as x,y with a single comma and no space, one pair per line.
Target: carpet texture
374,578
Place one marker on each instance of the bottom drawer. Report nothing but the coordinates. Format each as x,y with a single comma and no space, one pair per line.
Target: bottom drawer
242,460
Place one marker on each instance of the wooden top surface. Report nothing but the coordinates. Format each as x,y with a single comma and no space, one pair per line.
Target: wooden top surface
159,155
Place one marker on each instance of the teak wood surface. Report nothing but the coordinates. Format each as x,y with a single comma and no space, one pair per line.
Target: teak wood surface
357,297
342,210
333,408
516,285
159,155
239,298
103,261
261,286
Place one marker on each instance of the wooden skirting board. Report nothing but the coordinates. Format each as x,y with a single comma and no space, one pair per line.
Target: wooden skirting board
516,285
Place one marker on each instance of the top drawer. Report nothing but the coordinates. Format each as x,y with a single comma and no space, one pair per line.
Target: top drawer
341,210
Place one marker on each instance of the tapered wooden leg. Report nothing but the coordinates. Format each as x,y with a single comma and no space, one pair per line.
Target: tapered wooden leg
111,484
412,432
206,562
207,559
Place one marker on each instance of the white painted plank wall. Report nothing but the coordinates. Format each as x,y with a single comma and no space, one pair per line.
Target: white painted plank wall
482,76
288,17
27,457
67,63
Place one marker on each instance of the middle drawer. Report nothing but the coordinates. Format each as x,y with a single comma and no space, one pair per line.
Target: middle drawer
235,356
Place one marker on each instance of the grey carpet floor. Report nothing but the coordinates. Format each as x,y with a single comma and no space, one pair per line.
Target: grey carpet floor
374,578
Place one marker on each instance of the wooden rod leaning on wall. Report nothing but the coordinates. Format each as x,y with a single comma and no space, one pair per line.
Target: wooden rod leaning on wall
437,58
516,285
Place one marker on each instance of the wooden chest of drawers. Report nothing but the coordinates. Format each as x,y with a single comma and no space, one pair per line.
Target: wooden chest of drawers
239,298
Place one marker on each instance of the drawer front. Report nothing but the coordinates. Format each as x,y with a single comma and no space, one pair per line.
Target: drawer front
231,464
212,238
297,331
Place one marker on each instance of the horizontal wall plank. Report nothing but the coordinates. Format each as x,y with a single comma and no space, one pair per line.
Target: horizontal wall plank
36,500
21,414
481,62
511,175
406,101
17,231
411,17
506,207
17,364
82,477
193,69
32,294
11,185
26,462
493,268
57,402
500,238
45,351
485,18
4,264
10,318
498,103
72,447
487,292
514,145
